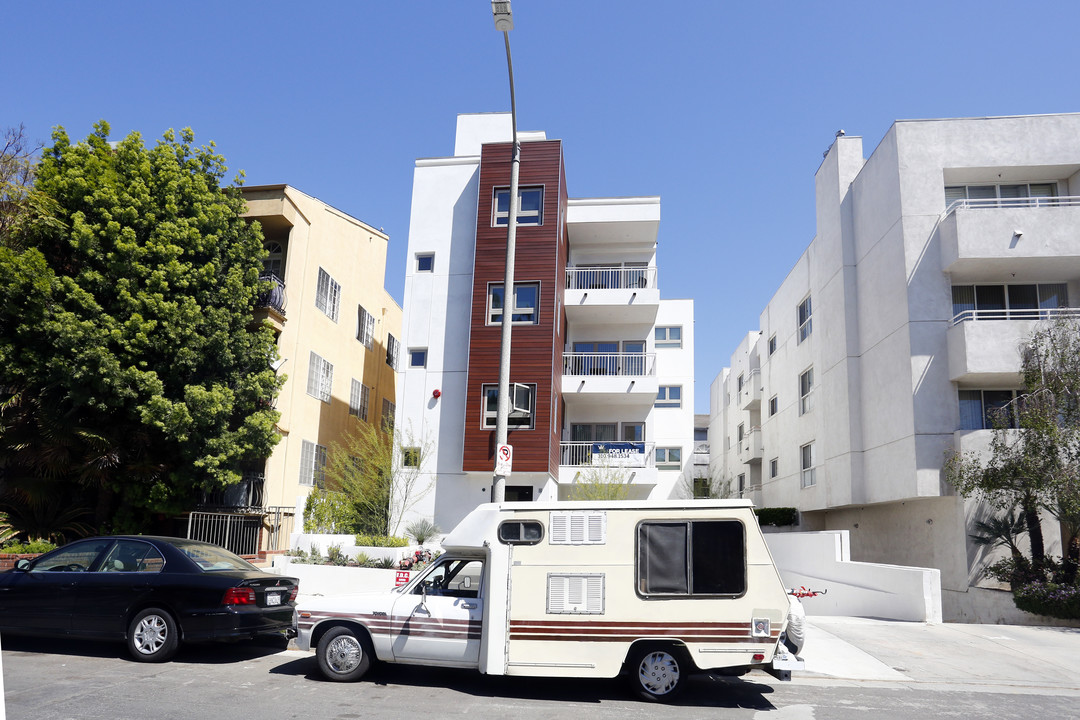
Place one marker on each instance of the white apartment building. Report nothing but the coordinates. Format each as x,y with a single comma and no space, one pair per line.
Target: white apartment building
898,329
601,366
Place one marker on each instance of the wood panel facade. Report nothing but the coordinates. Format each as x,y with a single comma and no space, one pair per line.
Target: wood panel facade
536,350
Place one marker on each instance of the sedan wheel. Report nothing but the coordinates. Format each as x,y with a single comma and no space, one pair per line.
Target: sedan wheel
657,675
152,636
343,654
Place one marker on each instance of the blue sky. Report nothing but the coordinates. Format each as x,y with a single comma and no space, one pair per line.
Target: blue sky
723,109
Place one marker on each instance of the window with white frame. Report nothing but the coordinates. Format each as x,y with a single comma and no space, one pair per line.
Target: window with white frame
312,464
320,379
388,412
418,357
522,406
739,382
425,262
526,304
365,327
1016,301
392,347
669,458
359,394
530,207
669,396
410,457
668,337
1002,195
808,463
987,409
806,391
774,405
772,344
740,432
741,483
328,295
774,466
805,321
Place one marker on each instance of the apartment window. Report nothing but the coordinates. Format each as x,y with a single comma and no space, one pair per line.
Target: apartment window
410,457
530,207
328,295
772,344
320,379
669,458
668,337
740,433
392,347
418,358
807,460
684,558
522,406
987,409
1008,302
806,389
774,405
358,399
388,412
774,466
740,382
1005,195
274,262
425,262
633,432
741,483
365,327
805,322
669,396
312,464
702,488
526,304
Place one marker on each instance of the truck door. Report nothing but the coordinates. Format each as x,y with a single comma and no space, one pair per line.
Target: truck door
440,619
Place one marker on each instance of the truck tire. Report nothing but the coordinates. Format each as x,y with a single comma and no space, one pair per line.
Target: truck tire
657,674
344,654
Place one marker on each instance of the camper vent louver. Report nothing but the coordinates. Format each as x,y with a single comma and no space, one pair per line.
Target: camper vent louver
575,594
578,528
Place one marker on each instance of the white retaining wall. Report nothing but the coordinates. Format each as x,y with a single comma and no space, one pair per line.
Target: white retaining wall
318,580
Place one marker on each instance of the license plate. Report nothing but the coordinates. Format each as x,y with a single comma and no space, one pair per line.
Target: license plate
273,598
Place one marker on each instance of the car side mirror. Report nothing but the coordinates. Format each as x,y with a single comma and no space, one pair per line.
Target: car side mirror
22,564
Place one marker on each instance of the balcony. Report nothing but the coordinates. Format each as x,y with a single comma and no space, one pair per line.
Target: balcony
633,462
750,395
628,224
983,345
612,378
1033,236
751,449
270,304
616,294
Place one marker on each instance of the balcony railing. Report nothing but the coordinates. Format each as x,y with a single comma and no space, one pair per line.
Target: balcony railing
608,454
1015,314
625,364
610,278
1036,202
244,496
274,298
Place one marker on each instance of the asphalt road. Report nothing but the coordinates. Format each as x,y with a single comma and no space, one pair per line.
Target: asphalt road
81,680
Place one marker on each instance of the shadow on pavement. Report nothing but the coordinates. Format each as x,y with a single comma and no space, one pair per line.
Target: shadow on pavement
195,653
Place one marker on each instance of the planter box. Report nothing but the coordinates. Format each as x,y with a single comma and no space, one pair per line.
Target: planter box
333,579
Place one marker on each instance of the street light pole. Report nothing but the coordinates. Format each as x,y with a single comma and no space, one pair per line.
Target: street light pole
504,22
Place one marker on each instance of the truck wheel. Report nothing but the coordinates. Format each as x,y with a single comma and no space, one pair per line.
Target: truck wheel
658,674
344,655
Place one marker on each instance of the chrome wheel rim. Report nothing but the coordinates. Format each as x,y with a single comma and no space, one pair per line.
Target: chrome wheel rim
150,634
658,673
343,654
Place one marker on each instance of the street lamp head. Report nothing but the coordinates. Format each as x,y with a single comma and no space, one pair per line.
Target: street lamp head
504,18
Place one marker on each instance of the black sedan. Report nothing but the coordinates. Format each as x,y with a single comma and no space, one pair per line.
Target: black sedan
152,592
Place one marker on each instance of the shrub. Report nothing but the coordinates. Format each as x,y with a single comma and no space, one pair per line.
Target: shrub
29,547
334,556
1046,598
778,516
380,541
381,563
328,512
422,530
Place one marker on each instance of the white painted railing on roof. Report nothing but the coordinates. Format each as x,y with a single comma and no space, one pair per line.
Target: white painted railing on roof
1035,202
610,278
1015,314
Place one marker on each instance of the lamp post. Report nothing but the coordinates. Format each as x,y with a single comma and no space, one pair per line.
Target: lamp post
504,22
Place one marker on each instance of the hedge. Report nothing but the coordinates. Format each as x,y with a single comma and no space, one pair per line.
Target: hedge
779,516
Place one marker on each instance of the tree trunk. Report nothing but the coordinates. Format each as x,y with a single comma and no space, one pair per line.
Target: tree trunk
1035,533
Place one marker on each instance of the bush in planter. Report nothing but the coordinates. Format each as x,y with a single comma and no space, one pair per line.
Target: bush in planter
334,556
28,548
778,516
422,530
1047,598
380,541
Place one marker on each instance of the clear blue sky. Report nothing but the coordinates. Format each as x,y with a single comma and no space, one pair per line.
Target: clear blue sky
721,108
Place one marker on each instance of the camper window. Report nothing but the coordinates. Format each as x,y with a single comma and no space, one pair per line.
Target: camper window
691,558
521,532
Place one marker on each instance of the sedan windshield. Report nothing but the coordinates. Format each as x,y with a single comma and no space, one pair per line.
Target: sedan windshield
212,557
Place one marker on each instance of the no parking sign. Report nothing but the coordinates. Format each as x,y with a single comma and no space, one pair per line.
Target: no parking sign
504,459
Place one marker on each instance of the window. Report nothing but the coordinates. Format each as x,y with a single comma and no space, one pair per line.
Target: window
365,327
358,399
410,457
774,405
312,464
392,346
328,295
526,302
274,262
669,458
522,406
77,557
669,396
805,323
133,556
425,262
668,337
1007,302
702,488
1011,195
772,344
452,578
740,382
806,388
521,532
320,378
809,471
741,483
740,433
678,559
774,467
986,409
633,432
530,207
388,411
418,358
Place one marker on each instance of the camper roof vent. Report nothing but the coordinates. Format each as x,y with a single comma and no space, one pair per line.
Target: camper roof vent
583,527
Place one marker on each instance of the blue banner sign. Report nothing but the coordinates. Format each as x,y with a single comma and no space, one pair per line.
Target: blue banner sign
621,454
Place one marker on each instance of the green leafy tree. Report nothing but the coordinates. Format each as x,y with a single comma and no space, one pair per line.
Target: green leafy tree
132,375
601,482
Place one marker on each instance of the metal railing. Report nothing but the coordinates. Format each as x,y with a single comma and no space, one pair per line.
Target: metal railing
577,454
274,298
236,532
625,364
279,526
1036,202
1015,314
246,495
610,278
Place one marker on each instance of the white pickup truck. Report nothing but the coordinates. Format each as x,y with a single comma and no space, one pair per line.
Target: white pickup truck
655,591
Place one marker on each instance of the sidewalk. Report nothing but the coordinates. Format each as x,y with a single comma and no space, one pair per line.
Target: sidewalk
1013,658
